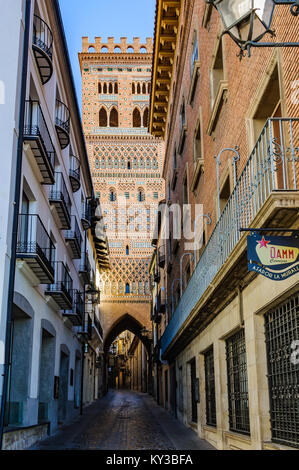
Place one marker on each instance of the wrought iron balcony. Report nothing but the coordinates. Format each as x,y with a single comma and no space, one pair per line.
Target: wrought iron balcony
85,268
36,134
74,173
60,198
42,45
98,326
86,215
76,313
36,247
74,238
272,166
62,123
161,302
86,328
157,276
61,289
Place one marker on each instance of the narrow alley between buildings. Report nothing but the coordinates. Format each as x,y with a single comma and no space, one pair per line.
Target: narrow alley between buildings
124,420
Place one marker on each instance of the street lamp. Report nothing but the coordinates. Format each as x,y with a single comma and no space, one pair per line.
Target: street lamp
94,294
247,21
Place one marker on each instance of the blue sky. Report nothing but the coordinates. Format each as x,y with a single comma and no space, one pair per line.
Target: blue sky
116,18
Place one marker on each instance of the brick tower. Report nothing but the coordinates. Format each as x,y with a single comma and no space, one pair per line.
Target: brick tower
126,164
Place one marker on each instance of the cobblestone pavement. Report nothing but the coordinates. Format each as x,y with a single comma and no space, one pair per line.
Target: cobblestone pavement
124,420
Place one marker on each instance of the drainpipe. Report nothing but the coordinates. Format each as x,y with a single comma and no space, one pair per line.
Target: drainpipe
16,204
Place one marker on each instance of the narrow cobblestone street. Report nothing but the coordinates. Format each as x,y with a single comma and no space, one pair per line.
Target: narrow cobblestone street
124,420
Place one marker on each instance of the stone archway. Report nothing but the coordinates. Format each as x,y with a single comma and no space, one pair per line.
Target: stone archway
123,323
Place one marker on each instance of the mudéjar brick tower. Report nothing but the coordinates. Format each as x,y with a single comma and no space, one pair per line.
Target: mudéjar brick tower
126,164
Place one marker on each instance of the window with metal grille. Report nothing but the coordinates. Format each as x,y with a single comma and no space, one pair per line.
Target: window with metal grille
210,388
237,383
281,329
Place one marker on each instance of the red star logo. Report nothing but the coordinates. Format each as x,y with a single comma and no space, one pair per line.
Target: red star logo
263,242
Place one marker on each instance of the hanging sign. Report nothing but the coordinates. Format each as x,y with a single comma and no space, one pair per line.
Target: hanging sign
276,258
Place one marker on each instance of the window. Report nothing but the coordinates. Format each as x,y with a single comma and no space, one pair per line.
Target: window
136,118
103,119
210,388
127,195
156,195
127,288
113,118
149,88
197,143
116,88
112,195
110,88
237,383
141,195
145,118
144,89
194,391
129,165
183,128
100,88
281,329
105,88
194,56
138,89
133,89
217,73
127,250
185,190
224,193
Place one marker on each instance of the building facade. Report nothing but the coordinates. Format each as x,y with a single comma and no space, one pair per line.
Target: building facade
228,336
126,164
56,328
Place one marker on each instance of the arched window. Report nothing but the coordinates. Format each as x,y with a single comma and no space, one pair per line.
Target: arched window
144,89
155,165
105,88
127,288
110,88
97,163
141,162
116,88
122,163
135,166
145,118
133,88
143,50
117,50
113,118
115,163
100,88
109,162
140,196
103,163
127,250
129,164
112,195
103,119
104,50
138,89
149,87
130,50
148,164
136,118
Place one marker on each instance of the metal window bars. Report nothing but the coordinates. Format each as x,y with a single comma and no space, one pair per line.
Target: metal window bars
273,165
281,330
210,388
237,383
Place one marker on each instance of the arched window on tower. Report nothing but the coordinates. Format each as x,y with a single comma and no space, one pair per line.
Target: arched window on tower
136,118
155,165
149,88
110,89
138,89
122,163
133,88
112,195
127,250
129,164
113,118
100,88
115,162
141,162
144,89
135,166
103,163
116,88
127,288
141,195
103,119
145,118
105,88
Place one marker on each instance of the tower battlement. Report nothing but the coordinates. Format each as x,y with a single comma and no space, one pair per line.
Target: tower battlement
122,47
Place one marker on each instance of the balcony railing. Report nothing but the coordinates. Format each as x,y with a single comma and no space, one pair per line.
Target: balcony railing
76,313
42,45
36,247
60,198
85,268
61,289
62,124
74,238
36,134
272,166
86,215
74,173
